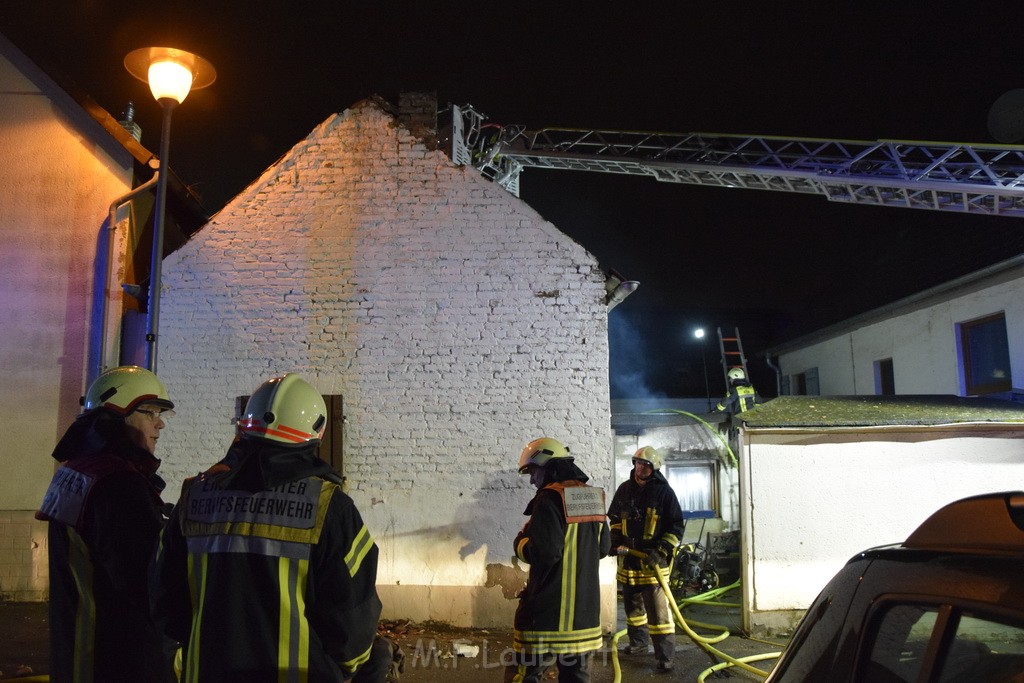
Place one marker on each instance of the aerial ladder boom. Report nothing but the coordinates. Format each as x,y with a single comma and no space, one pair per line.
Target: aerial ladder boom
959,177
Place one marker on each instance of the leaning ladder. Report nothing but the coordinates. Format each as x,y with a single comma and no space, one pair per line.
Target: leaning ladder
731,349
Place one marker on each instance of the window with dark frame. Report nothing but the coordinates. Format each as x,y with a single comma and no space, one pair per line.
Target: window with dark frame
985,355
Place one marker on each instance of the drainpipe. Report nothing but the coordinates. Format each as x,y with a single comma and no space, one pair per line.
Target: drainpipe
112,226
778,375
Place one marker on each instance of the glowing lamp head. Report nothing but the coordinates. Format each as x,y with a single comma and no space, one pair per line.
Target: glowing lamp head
171,73
170,79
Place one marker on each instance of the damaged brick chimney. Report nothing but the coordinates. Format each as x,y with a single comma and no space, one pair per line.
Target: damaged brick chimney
417,111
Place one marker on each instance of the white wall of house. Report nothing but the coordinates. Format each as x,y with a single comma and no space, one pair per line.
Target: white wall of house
453,320
920,338
813,498
59,171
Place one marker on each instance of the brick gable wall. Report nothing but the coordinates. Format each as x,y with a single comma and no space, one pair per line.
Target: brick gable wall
456,323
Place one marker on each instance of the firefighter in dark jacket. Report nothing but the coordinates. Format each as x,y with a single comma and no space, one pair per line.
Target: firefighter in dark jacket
105,513
741,396
265,570
645,516
558,620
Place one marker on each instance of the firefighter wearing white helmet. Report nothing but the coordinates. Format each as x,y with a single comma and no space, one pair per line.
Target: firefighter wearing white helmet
105,514
285,409
272,516
645,515
740,396
124,388
564,512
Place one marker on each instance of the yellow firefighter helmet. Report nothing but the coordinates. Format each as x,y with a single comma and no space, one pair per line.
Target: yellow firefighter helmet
540,451
650,455
123,389
286,409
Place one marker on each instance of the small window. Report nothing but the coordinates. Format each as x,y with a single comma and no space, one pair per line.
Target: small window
985,355
695,483
885,383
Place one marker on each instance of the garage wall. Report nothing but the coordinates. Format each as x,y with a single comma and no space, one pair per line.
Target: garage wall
813,499
453,320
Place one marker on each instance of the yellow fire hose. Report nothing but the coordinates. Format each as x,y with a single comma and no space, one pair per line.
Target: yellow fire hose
705,642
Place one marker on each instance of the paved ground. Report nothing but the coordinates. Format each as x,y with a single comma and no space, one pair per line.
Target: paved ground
429,650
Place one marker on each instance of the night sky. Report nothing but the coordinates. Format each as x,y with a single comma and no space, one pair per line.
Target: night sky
774,265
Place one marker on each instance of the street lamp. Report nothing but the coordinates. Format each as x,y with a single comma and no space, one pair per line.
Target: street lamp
171,74
699,334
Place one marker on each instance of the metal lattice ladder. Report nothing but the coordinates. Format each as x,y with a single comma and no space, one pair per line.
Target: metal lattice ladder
731,349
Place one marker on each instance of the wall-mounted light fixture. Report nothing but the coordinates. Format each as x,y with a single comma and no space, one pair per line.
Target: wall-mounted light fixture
617,289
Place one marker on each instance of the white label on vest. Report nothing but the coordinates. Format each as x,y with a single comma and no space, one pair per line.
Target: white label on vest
65,497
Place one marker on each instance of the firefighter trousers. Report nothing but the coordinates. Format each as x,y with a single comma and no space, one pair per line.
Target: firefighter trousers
528,667
648,616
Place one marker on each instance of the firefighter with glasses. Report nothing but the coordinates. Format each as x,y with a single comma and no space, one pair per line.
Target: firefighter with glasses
558,620
265,570
105,513
645,516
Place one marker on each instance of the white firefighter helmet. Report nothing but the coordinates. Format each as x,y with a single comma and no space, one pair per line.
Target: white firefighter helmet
736,374
124,388
648,454
286,409
540,451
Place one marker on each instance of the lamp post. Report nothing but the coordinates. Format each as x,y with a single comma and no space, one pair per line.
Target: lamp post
699,334
171,74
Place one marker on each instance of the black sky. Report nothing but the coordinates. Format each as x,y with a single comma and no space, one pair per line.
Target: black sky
775,265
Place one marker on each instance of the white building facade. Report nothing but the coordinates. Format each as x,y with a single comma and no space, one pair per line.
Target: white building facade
964,338
59,173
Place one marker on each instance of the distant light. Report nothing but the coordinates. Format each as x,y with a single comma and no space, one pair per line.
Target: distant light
699,333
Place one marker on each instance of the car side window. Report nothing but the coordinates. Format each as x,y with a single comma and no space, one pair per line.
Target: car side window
985,651
981,649
900,643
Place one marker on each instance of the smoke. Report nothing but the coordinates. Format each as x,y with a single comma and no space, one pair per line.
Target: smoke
631,358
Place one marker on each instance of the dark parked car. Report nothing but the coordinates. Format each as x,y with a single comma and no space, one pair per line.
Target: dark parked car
945,605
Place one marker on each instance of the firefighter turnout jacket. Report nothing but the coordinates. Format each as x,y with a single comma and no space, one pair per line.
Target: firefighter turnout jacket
268,568
104,512
564,540
741,398
645,518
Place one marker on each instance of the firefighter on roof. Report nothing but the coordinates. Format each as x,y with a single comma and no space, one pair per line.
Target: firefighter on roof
741,396
558,620
646,516
266,571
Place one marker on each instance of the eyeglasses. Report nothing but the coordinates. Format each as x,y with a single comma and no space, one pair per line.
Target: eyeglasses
642,462
155,415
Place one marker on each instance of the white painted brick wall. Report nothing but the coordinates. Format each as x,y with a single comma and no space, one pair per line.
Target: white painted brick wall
24,572
456,323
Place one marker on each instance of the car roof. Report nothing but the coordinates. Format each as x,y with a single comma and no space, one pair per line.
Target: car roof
989,523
